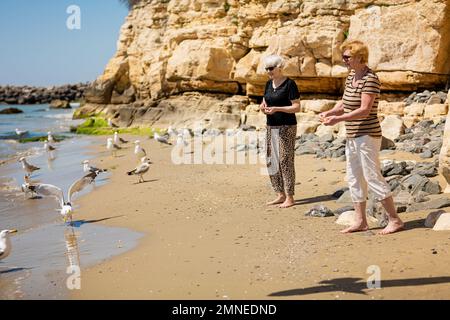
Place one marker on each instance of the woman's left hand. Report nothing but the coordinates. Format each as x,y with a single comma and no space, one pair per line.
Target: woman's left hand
331,120
270,110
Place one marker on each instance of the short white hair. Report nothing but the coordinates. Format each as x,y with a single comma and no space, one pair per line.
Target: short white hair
273,61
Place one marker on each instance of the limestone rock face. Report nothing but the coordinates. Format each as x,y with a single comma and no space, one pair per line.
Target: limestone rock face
184,61
168,47
398,48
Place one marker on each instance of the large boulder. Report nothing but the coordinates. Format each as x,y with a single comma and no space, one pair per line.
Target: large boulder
392,127
432,217
60,104
442,223
99,92
10,111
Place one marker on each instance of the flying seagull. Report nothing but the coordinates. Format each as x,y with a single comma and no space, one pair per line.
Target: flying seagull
65,207
29,168
112,146
5,243
88,168
141,169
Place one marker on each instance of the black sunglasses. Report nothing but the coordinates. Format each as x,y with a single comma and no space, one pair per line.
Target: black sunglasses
346,57
270,68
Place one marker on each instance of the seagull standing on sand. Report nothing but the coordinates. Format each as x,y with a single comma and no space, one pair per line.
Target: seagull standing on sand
29,168
118,139
5,243
172,132
141,169
27,187
181,141
138,150
112,146
161,139
50,137
66,208
88,168
21,133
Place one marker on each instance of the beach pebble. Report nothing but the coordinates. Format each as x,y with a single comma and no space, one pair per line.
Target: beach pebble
432,217
348,218
319,211
442,223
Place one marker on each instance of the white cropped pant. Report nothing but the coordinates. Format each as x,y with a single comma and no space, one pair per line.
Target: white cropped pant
363,168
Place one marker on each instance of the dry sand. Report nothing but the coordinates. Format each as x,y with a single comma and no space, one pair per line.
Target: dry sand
209,235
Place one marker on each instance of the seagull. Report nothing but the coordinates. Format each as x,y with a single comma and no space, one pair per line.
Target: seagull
118,139
50,137
229,132
48,147
5,243
49,190
138,150
27,186
181,141
198,132
111,124
112,146
141,169
162,139
171,131
29,168
88,168
21,133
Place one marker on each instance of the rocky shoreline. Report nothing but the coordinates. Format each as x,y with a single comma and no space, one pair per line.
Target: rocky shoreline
39,95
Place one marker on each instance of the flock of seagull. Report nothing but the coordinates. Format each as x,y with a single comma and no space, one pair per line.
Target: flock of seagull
65,201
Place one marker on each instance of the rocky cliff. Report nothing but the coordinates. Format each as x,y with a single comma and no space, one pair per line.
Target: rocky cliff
167,47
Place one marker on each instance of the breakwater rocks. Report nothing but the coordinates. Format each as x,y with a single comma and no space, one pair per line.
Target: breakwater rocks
40,95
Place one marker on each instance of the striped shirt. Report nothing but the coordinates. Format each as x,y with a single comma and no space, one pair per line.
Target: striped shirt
352,101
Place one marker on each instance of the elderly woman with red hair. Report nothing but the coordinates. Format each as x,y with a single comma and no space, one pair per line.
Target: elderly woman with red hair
358,109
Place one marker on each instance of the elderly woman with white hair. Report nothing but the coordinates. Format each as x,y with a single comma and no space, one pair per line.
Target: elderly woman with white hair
280,103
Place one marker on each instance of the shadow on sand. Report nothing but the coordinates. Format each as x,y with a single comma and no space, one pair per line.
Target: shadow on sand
357,285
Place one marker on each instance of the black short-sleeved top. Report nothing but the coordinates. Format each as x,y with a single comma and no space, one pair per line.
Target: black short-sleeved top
281,97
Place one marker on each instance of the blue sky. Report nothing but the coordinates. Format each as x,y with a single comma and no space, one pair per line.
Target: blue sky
38,49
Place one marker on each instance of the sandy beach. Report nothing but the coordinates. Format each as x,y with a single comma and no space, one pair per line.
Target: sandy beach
209,235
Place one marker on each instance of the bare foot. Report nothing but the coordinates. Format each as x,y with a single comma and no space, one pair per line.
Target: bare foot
289,202
356,228
393,226
278,200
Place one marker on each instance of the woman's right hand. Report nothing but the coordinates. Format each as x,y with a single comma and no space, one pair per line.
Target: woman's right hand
323,115
263,106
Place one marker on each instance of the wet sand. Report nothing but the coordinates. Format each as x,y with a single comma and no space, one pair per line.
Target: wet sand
45,247
209,235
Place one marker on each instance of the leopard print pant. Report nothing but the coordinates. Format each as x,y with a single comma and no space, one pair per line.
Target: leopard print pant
280,147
